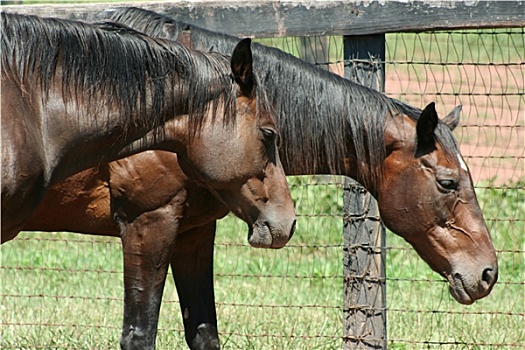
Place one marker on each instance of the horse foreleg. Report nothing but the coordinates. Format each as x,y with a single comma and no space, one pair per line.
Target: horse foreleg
192,265
147,244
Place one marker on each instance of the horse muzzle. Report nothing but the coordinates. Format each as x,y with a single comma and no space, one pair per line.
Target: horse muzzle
265,235
466,288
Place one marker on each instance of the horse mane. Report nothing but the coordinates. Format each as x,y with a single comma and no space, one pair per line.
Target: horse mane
346,115
131,70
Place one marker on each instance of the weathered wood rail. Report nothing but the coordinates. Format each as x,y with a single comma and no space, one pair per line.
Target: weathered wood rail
269,18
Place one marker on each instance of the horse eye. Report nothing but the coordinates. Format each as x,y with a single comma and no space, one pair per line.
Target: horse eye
448,185
269,134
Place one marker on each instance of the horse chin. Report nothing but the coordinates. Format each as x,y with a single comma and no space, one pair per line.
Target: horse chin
458,291
263,235
260,236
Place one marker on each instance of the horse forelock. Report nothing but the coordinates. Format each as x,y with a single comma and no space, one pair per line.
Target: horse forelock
118,64
446,140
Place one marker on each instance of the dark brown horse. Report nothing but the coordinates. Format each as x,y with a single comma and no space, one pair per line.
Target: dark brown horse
407,158
76,95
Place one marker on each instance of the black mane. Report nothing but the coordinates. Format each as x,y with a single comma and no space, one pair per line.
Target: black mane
321,115
117,64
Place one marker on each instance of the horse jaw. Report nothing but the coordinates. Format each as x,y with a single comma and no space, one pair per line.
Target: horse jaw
457,289
470,278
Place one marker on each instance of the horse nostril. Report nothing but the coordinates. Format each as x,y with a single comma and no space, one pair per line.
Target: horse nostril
292,230
490,276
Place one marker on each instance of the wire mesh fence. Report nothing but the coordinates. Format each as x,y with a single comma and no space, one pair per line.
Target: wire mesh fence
484,72
64,291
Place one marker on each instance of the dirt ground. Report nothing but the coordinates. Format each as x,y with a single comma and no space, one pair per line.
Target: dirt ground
492,130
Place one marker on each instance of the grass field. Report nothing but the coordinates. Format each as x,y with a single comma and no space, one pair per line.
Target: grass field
64,291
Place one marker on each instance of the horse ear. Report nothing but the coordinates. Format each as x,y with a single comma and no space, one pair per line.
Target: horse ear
452,119
426,124
241,64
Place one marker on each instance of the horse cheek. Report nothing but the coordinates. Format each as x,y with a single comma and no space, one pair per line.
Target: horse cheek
394,207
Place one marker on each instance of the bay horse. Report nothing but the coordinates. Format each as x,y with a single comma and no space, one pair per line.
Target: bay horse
75,95
406,157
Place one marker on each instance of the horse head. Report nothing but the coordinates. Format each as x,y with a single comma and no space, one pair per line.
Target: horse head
428,198
240,163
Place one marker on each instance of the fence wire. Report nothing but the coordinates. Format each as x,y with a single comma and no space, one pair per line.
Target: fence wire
64,291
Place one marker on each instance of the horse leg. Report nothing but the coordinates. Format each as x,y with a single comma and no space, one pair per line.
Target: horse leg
147,244
192,266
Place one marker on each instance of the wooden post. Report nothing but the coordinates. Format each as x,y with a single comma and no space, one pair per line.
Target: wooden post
364,252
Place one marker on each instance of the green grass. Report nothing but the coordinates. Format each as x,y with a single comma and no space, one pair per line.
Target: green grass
64,291
462,46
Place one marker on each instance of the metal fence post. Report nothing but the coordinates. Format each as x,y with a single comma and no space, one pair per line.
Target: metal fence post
364,304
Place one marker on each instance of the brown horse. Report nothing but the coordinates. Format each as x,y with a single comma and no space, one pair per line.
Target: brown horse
407,158
76,95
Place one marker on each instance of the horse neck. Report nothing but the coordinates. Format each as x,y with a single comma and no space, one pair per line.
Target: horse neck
315,120
175,136
325,154
328,124
100,133
86,107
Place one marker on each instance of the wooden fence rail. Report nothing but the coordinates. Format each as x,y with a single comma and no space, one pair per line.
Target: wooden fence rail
269,18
